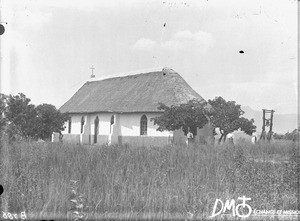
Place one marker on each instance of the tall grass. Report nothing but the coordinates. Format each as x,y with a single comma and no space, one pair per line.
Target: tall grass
126,182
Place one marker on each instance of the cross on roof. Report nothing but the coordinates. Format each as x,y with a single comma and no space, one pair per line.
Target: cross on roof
92,68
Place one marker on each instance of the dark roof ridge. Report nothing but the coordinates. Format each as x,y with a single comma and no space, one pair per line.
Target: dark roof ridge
164,70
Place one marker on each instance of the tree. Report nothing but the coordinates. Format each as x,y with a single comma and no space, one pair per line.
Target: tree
28,121
49,120
21,116
191,115
227,117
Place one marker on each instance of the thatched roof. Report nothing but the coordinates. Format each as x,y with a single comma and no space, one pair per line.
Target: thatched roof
134,93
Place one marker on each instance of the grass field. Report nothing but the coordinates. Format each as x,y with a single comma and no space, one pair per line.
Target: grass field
134,183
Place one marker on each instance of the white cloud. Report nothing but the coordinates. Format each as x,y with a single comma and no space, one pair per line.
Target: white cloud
186,40
181,41
145,44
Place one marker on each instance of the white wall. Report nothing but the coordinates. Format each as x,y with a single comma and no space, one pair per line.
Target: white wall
76,123
130,125
104,123
126,124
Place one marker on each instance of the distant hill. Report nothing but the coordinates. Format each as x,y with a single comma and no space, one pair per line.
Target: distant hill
282,122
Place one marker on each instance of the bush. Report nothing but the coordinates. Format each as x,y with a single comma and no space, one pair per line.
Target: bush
294,136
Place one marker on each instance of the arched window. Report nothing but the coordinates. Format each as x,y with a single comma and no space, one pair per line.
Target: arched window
69,125
112,121
143,125
96,129
82,124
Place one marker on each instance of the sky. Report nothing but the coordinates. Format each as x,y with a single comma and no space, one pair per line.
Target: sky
48,47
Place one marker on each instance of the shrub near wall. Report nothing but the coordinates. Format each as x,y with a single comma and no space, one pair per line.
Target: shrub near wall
122,181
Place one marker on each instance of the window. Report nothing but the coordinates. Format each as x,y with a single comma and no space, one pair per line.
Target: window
112,121
69,125
82,124
143,126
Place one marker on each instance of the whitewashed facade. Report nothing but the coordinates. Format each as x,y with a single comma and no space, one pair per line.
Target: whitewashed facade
120,110
125,128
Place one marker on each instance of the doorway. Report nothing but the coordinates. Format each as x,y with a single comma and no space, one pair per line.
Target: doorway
96,132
